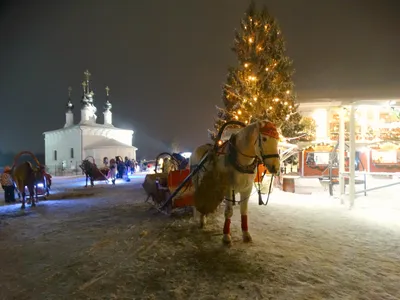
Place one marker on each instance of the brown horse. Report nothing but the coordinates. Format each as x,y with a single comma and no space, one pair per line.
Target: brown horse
91,171
257,142
25,175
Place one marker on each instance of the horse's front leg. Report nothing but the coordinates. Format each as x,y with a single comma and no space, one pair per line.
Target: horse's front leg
86,180
244,201
91,181
227,239
203,217
203,220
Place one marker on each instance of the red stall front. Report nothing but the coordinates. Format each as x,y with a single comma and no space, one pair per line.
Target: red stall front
314,161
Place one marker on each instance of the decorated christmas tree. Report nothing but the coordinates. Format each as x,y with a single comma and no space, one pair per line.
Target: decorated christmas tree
260,86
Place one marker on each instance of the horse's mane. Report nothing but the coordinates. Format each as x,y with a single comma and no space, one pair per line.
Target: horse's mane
248,133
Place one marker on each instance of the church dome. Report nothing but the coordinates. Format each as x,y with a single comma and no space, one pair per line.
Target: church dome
69,105
107,105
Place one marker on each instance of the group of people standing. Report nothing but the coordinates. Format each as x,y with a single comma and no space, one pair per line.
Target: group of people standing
119,168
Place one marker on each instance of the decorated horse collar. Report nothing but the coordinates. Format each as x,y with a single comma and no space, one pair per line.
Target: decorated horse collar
269,129
233,155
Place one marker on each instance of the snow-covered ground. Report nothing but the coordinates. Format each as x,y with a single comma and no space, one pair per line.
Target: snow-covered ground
106,243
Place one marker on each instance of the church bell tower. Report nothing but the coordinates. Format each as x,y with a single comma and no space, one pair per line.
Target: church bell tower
107,109
69,114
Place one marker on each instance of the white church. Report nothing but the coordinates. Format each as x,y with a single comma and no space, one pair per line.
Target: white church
65,148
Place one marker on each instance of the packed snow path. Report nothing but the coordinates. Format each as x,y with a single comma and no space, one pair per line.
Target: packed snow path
105,243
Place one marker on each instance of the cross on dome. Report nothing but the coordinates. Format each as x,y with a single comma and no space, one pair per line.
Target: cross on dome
107,105
87,75
69,105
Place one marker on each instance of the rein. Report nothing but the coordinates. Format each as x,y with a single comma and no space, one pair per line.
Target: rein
260,201
258,187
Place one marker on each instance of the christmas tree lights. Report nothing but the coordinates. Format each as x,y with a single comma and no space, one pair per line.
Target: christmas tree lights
260,86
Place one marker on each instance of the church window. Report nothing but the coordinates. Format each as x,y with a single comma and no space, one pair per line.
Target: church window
55,154
72,152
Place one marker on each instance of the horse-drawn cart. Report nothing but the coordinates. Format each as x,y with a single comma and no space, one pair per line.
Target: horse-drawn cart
42,189
219,172
101,174
174,189
160,186
92,172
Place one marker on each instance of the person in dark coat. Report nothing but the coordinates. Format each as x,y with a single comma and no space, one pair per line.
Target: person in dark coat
128,166
121,169
7,184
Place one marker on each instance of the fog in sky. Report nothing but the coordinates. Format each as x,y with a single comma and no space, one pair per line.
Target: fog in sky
165,61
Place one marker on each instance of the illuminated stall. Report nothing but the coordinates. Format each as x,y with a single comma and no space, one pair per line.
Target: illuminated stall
384,158
315,160
375,137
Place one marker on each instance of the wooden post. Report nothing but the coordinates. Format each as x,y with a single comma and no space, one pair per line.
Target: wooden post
352,153
330,177
342,142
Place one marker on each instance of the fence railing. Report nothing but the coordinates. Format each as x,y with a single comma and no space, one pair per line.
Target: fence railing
58,170
64,170
364,180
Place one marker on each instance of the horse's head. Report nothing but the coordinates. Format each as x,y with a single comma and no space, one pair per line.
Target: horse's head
265,138
86,163
268,140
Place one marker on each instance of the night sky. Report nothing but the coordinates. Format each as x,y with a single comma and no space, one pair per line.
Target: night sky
165,61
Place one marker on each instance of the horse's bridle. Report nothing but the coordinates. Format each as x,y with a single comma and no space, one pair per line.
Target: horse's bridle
265,156
258,158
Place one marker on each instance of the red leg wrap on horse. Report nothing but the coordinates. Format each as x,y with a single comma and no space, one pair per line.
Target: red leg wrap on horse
227,226
244,223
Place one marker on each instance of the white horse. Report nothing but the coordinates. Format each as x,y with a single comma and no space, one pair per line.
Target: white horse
240,156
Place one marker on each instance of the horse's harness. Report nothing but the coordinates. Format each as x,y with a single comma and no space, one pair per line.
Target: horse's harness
233,152
232,158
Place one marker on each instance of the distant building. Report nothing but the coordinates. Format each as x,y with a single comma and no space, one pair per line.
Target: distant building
65,148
